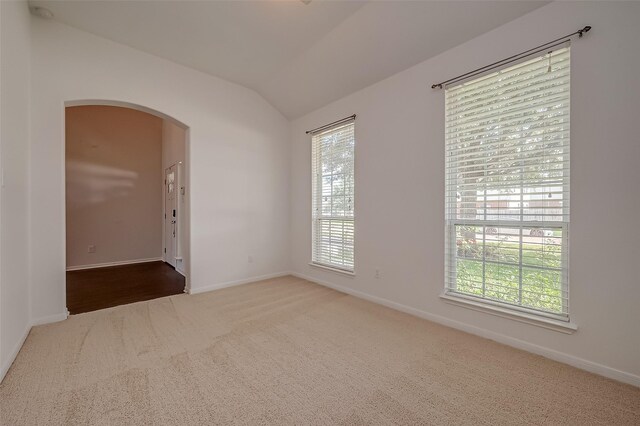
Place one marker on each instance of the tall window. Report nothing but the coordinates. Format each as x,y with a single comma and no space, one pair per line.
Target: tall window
333,197
507,187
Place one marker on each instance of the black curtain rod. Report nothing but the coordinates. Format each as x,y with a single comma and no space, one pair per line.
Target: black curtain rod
326,126
514,58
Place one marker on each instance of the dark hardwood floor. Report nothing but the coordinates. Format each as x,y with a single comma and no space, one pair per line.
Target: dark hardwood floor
99,288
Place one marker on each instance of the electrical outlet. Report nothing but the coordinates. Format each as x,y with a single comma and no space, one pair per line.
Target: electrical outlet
91,249
250,259
377,275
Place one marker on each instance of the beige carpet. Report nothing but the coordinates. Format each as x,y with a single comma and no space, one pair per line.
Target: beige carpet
286,351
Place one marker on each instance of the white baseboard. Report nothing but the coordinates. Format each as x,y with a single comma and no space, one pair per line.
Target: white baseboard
49,319
237,282
14,353
565,358
107,264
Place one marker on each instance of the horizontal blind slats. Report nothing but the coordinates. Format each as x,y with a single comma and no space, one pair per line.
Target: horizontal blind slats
547,84
543,113
516,73
511,100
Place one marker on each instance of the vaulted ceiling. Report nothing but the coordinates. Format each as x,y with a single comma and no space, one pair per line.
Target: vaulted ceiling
298,56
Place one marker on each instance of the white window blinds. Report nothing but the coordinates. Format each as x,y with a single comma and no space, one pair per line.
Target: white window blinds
507,186
333,197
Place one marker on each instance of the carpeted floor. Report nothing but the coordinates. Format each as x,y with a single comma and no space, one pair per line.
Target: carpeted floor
286,351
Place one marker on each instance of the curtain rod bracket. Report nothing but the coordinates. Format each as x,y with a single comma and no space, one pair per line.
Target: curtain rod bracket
584,30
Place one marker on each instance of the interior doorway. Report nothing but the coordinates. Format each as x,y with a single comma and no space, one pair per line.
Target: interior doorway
126,206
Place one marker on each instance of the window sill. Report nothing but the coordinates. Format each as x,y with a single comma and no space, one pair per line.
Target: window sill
566,327
329,268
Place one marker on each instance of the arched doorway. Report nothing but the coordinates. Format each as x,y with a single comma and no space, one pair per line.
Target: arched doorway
126,204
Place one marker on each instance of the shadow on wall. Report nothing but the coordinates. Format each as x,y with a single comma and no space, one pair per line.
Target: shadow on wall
94,184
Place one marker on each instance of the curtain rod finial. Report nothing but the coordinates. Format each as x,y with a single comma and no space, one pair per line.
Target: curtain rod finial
584,30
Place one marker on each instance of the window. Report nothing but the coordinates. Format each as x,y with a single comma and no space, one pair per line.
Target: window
507,187
333,197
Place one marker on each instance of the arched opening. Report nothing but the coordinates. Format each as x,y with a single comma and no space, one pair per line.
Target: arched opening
126,204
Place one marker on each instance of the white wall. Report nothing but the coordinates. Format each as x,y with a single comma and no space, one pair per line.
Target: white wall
114,188
14,147
400,187
238,155
174,147
173,144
